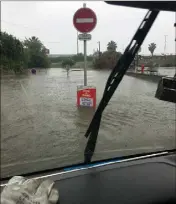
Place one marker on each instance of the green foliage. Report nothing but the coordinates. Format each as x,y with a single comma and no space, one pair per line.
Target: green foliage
35,53
112,46
56,65
56,59
68,63
77,58
107,60
11,52
152,47
17,55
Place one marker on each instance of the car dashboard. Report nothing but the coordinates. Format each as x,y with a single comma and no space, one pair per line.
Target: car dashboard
147,179
150,180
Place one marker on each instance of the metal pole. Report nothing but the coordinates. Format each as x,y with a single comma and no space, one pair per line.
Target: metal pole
99,48
85,63
85,57
77,45
165,41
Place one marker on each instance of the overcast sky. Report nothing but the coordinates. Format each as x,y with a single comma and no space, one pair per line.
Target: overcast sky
53,22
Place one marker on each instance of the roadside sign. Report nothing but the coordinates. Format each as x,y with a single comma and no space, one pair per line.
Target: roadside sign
86,96
84,20
84,36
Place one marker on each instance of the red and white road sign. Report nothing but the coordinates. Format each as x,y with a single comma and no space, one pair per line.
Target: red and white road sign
86,96
84,20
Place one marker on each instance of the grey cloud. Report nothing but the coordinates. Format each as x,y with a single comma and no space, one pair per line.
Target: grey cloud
52,22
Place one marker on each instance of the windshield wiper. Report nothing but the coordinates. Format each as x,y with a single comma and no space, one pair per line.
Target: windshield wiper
115,78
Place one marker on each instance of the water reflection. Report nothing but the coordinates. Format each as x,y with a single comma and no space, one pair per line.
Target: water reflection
43,128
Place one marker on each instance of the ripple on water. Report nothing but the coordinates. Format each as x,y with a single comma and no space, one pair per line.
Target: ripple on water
42,127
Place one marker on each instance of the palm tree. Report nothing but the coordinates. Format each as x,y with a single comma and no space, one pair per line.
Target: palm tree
34,44
112,46
152,47
33,39
36,53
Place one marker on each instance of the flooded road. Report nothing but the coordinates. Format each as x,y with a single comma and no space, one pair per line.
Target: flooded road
41,127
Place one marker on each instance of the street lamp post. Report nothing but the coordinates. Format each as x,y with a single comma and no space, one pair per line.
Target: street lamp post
165,42
99,48
77,44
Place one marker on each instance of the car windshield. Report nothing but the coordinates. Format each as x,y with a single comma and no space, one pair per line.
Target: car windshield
46,86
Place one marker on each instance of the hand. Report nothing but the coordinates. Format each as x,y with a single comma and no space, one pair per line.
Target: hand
29,191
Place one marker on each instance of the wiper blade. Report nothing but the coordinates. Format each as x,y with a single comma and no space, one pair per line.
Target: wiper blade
114,80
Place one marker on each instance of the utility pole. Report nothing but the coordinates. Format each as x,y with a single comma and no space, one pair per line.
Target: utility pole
99,48
77,41
165,42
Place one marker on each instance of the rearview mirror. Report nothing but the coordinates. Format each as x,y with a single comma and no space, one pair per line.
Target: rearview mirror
166,90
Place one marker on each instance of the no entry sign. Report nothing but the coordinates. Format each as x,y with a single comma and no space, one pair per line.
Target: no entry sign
84,20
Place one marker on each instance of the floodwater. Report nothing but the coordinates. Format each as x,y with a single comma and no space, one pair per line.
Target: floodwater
41,127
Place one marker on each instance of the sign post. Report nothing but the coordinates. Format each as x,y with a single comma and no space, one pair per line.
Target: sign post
85,63
85,57
84,20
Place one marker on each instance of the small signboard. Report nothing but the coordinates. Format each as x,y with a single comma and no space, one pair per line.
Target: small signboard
84,36
86,96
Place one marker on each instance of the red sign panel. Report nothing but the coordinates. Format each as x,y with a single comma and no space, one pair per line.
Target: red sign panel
84,20
86,96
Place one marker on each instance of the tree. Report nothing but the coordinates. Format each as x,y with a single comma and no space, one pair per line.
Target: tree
35,53
33,44
152,47
17,55
11,52
79,57
107,60
68,63
96,54
111,46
